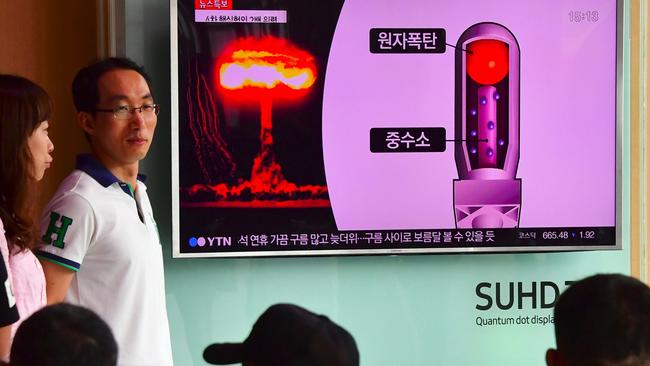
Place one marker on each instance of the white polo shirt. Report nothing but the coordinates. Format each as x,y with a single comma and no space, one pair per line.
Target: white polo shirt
96,226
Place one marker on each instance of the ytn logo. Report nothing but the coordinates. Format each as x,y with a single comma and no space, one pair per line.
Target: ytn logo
217,241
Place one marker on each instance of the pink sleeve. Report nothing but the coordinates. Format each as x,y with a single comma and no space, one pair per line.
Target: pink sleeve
4,248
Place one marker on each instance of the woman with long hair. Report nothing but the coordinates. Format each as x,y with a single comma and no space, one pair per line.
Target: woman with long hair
25,154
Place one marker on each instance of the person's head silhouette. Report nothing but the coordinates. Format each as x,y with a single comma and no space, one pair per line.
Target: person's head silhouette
64,335
288,335
602,320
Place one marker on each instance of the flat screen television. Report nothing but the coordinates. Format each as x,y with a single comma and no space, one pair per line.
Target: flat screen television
304,127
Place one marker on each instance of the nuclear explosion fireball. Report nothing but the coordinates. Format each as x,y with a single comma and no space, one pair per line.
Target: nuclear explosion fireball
262,71
267,63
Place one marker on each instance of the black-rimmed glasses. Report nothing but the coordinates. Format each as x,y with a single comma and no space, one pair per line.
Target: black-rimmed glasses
126,111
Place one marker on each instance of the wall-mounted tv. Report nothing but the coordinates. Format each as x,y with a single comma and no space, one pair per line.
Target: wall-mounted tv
304,127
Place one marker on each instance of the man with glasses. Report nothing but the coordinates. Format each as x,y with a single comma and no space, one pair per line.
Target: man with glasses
101,248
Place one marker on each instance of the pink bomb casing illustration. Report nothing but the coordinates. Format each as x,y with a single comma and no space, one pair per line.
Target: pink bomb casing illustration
487,193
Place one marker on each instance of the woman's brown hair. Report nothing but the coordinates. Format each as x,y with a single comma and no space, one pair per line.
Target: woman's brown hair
23,106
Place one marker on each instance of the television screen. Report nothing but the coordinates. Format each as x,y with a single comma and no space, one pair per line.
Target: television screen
305,127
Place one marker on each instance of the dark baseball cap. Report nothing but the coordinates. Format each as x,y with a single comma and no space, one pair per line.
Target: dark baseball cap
288,335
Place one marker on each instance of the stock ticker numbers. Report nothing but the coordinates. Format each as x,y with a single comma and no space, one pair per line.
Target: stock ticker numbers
566,235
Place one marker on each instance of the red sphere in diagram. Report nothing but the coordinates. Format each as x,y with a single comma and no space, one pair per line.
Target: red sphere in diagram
487,61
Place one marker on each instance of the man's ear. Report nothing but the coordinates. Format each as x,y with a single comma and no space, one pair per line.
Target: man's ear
86,122
554,358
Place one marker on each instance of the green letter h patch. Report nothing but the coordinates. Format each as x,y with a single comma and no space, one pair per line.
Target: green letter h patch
60,231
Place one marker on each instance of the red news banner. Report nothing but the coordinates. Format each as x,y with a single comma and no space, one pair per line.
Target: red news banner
213,4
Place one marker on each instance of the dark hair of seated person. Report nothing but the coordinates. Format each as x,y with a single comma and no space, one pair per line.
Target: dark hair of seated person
63,335
602,320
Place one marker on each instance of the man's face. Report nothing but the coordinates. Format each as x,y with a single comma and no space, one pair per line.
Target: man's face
122,141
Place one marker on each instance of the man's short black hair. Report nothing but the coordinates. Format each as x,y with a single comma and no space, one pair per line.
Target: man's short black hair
85,92
604,320
64,335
